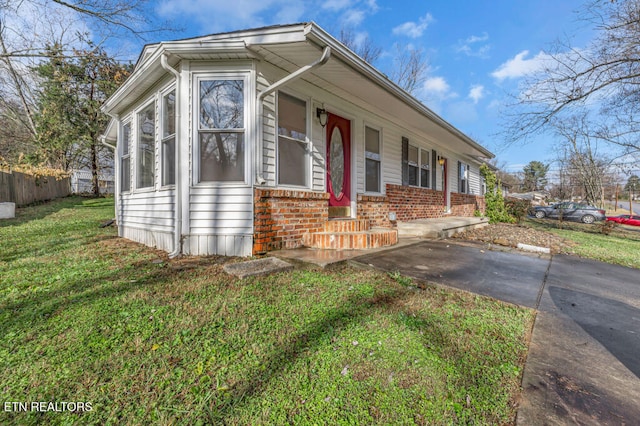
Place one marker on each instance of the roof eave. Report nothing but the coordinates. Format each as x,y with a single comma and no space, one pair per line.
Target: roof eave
321,37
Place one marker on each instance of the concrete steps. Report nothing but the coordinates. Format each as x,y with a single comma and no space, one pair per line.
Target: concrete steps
350,234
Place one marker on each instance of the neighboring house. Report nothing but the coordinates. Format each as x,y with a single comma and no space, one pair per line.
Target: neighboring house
81,182
251,141
537,198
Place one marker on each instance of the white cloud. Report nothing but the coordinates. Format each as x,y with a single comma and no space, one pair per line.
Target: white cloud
353,17
476,93
474,46
436,85
519,66
413,29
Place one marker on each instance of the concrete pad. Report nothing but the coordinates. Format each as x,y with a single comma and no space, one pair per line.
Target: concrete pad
444,227
329,258
264,266
511,277
7,210
583,365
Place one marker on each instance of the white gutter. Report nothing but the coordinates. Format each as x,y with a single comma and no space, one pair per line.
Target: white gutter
177,233
326,54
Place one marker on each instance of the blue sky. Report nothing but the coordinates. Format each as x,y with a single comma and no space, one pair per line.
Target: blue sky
477,51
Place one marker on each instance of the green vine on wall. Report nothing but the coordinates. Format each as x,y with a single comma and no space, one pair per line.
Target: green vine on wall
495,208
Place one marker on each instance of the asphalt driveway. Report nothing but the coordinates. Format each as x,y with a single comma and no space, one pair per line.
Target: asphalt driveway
583,365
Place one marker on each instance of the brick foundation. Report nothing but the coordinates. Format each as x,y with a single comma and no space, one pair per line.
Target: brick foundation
410,203
466,204
375,209
282,217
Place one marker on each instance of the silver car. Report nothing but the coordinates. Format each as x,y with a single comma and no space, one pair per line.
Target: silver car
570,211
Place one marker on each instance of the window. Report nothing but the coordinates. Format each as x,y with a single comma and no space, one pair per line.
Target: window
424,168
413,165
146,146
125,160
372,160
293,147
169,138
221,129
463,178
418,166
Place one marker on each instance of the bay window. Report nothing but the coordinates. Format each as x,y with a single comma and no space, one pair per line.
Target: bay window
146,147
221,130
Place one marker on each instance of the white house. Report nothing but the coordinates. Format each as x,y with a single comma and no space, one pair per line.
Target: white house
250,141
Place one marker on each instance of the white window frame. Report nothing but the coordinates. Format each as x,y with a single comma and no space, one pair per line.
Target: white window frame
419,167
126,156
164,139
307,141
372,156
463,176
145,105
247,108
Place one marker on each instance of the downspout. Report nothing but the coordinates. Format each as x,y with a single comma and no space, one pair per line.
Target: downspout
326,54
177,233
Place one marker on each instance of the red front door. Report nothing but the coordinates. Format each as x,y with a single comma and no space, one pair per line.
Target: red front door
339,166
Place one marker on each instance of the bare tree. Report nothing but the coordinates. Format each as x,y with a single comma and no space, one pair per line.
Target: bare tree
604,76
365,48
410,68
584,169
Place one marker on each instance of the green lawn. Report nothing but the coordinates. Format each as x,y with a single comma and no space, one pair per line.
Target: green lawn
88,317
620,247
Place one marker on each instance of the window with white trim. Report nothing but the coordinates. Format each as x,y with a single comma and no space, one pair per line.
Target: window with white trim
372,159
463,178
146,146
221,130
419,166
293,145
168,144
425,157
125,159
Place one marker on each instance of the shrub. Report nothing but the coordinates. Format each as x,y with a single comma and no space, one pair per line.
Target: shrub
517,208
495,209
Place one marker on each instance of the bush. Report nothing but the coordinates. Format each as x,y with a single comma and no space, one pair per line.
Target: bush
518,208
495,209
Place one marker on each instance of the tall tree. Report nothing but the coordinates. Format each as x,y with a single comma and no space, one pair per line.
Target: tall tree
365,48
633,186
603,76
535,176
69,122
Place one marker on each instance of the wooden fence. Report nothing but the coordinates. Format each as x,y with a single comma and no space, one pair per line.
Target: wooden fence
24,189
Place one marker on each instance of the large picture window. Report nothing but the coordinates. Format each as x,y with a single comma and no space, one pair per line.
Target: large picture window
221,129
169,138
372,159
293,149
146,147
125,160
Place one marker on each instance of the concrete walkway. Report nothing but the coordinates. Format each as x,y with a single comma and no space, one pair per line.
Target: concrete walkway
583,366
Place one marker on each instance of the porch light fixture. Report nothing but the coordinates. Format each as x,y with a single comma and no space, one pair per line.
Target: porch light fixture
441,161
322,115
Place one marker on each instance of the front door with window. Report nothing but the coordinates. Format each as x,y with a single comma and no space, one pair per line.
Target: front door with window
339,166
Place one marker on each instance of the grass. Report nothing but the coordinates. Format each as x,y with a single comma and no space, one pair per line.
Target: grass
621,246
89,317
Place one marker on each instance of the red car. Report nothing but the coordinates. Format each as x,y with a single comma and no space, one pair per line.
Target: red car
626,219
